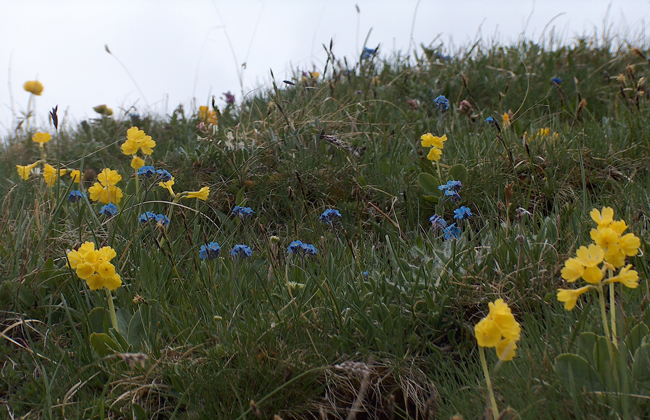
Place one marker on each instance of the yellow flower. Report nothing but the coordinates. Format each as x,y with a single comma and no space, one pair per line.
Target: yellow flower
168,185
94,266
487,333
136,139
506,120
33,86
592,275
627,276
629,244
590,257
499,329
202,194
24,171
50,175
603,219
137,163
434,154
208,115
506,349
105,190
75,175
570,296
572,270
41,137
429,140
103,110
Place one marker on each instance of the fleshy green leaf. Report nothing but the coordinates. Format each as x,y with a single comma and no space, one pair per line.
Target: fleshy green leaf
576,374
458,173
103,344
429,184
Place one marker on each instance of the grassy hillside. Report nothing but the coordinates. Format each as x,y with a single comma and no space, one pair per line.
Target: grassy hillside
381,319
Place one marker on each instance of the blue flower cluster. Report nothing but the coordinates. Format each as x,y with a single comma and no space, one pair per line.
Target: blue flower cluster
243,212
556,80
451,231
437,221
462,213
210,251
161,219
441,103
147,171
451,189
75,196
368,53
108,210
241,251
330,216
302,249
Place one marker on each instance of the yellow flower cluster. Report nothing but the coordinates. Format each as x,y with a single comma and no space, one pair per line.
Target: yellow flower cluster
94,266
136,139
435,143
208,115
33,86
106,190
499,329
610,248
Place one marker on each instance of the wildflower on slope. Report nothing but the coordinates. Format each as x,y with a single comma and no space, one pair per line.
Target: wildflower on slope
436,144
437,221
499,329
103,110
75,175
243,212
441,103
147,171
94,266
570,296
106,190
24,171
609,236
301,248
162,221
556,80
146,216
208,115
368,53
164,175
451,232
462,213
137,139
168,185
34,87
330,216
137,162
108,210
210,251
201,194
41,138
50,174
75,196
241,251
230,98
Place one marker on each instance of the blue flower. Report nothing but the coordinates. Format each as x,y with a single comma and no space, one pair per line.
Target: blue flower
241,251
301,248
330,216
145,217
453,195
556,80
452,232
368,53
365,275
490,120
243,212
441,103
451,186
147,171
163,175
210,251
437,221
108,210
462,213
75,196
162,220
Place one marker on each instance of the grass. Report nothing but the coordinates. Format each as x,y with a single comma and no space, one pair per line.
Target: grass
301,338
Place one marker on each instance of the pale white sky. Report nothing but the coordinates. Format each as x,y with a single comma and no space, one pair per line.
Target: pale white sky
179,50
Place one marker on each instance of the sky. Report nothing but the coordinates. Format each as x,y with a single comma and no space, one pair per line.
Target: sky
170,52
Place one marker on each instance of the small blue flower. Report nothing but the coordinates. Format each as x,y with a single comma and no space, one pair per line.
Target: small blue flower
330,216
108,210
453,195
437,221
368,53
162,220
451,232
301,248
490,120
243,212
454,185
145,217
210,251
294,247
441,103
462,213
365,275
147,171
241,251
163,175
556,80
75,196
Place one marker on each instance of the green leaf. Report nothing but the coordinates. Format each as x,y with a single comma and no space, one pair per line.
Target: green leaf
641,366
586,343
123,319
431,198
576,374
429,184
136,334
458,173
138,412
239,199
103,344
98,320
635,337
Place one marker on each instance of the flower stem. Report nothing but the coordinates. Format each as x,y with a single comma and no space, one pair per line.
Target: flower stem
612,308
111,309
439,173
486,372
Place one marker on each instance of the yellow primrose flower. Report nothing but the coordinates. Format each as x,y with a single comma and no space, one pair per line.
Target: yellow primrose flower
499,329
627,276
137,163
208,115
105,190
603,219
24,171
590,257
34,86
50,175
572,270
429,140
570,296
103,110
75,175
41,138
506,120
629,244
168,186
434,154
94,266
136,139
202,194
